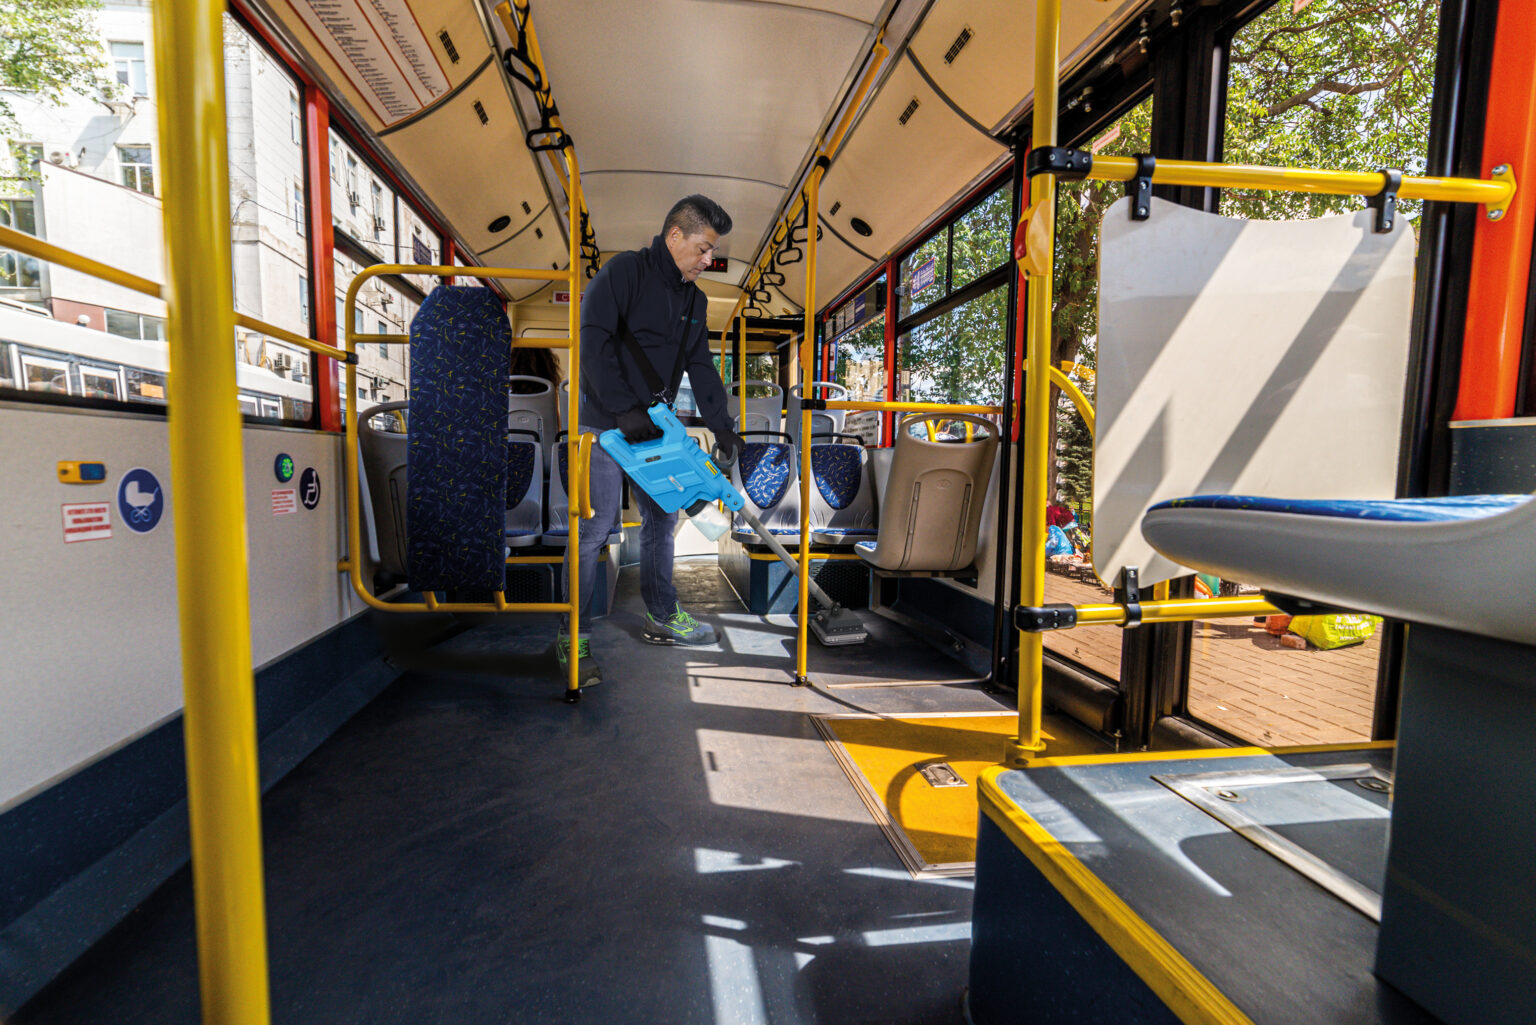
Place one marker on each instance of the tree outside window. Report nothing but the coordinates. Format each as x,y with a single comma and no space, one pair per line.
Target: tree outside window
138,169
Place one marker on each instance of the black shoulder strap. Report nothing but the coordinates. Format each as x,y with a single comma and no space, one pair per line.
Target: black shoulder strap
659,391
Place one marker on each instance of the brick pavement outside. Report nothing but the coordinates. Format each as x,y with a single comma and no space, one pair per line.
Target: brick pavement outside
1240,677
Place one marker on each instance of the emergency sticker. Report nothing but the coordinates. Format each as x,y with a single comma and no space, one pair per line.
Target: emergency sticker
284,501
87,521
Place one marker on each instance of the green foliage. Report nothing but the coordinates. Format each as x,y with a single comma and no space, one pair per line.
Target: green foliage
50,47
1341,84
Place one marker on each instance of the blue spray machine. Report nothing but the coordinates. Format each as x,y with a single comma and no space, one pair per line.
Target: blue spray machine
678,474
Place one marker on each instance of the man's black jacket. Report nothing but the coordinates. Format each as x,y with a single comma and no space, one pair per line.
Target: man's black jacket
646,286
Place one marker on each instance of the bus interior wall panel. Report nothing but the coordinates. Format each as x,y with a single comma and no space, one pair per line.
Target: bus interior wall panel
107,608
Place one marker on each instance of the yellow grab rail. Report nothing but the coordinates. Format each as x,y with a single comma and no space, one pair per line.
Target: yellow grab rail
1175,610
212,574
583,477
1495,193
911,407
10,238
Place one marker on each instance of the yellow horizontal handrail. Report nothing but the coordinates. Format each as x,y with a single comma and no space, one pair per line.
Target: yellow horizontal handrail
291,338
1496,193
1060,379
20,241
541,343
910,407
36,247
1175,610
353,337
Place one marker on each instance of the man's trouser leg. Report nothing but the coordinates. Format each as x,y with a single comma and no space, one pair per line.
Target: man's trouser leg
656,545
607,494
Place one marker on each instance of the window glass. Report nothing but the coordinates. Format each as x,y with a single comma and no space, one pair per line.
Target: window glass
858,363
129,67
79,170
924,272
1335,86
957,357
268,210
1080,209
982,238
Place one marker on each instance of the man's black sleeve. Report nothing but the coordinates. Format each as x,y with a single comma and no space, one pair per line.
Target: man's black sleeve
602,369
708,390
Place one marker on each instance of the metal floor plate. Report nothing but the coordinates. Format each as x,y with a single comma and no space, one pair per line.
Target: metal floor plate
1329,823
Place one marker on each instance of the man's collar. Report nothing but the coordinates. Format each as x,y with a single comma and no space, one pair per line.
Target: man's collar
663,258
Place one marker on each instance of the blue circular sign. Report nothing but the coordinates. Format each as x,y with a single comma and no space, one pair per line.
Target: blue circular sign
282,467
140,500
309,488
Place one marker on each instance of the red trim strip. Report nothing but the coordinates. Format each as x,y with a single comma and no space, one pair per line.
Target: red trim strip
1501,253
322,306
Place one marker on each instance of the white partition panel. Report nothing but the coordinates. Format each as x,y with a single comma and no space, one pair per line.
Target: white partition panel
1243,357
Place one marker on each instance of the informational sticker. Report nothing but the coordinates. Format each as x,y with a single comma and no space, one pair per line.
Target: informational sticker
560,298
1105,139
283,468
382,50
284,501
140,500
309,488
420,251
923,274
87,521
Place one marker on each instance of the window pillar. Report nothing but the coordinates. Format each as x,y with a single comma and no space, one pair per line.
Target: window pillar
317,151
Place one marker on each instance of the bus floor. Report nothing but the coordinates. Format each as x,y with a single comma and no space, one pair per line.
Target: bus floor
678,847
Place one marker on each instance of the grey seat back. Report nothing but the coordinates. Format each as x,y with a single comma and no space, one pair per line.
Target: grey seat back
525,488
827,421
532,406
384,460
558,514
930,510
764,411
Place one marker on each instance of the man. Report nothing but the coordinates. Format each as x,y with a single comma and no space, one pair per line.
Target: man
645,305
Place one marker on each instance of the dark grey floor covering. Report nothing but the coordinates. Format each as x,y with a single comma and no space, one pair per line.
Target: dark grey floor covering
678,847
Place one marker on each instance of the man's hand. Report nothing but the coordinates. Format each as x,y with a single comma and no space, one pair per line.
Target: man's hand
728,444
638,426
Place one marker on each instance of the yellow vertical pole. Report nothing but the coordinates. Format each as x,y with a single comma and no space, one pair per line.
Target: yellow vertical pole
1037,396
576,474
741,369
807,347
207,478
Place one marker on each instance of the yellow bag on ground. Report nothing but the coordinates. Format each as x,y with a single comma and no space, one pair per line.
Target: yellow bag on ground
1334,631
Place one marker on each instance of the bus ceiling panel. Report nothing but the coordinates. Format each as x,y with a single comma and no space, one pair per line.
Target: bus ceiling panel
537,245
909,155
980,53
468,155
627,209
729,89
389,70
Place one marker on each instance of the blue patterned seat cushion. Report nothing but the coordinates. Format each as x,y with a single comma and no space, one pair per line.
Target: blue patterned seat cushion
1398,510
837,470
520,460
765,470
457,450
847,531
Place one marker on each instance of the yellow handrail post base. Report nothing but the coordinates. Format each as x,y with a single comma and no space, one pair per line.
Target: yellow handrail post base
1020,754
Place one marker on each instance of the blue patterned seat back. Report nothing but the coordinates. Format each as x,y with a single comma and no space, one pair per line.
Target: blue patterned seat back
520,459
838,471
765,471
457,456
525,489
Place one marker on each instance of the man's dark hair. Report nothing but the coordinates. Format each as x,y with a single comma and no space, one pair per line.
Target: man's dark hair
695,213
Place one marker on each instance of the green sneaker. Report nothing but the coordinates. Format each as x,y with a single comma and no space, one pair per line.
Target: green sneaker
589,673
678,628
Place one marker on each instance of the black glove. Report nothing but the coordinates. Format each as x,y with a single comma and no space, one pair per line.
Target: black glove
728,445
638,426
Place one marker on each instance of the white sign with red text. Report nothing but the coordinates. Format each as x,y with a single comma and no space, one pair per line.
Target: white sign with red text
284,501
87,521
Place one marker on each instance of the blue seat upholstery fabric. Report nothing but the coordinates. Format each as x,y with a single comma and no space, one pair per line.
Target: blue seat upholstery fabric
457,455
837,470
765,469
1399,510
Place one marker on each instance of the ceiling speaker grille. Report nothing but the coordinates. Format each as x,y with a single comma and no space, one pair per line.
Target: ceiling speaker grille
906,115
958,45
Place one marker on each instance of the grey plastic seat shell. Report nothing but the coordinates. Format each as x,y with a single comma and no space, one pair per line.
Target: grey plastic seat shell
782,519
383,455
764,412
524,522
828,421
1474,575
558,507
858,520
932,499
543,404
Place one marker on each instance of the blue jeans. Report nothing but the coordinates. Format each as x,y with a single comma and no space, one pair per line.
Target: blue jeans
656,543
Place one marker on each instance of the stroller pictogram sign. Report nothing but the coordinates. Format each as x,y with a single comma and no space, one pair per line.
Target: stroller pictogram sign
140,500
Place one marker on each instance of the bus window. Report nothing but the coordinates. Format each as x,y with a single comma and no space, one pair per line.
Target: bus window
1080,208
100,383
45,375
1320,87
858,358
958,356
